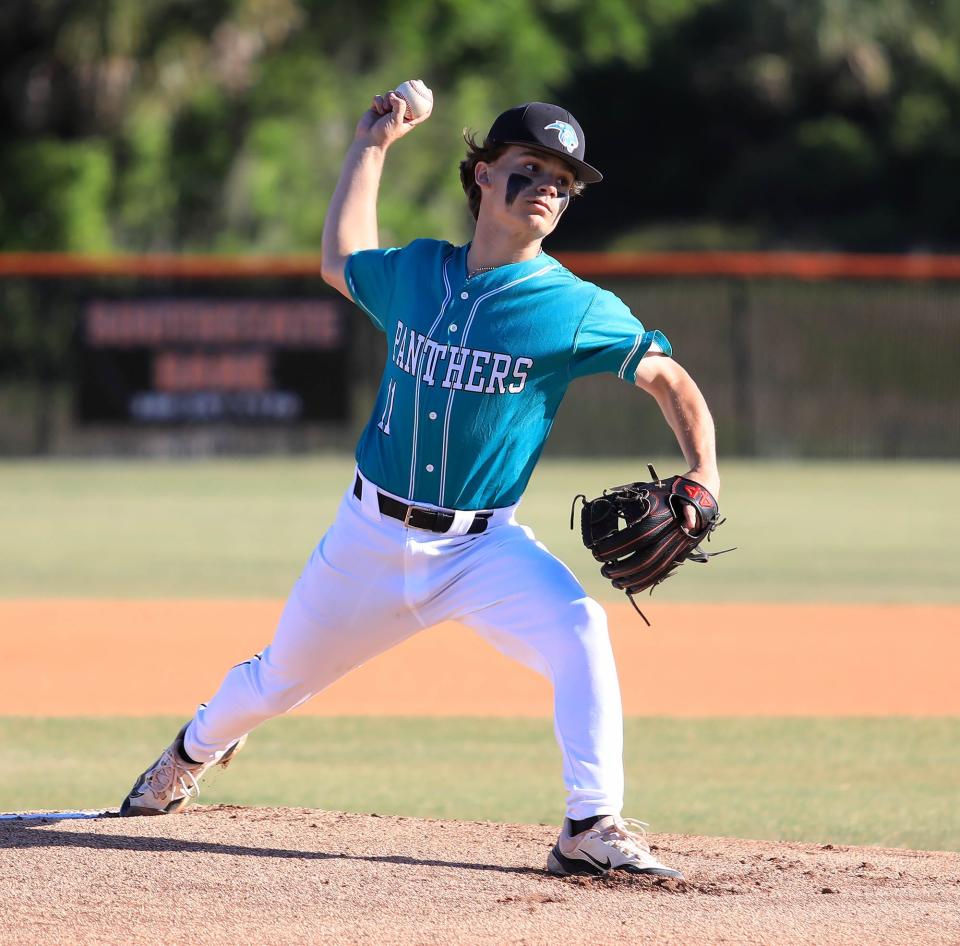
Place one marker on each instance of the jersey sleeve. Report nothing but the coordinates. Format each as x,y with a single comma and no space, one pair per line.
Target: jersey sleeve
370,276
611,339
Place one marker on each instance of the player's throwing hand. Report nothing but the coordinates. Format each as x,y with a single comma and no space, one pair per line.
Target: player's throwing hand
384,122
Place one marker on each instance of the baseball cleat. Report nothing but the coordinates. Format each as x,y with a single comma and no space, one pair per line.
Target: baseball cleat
611,844
172,783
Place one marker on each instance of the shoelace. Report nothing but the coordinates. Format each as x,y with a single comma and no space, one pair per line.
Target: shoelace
164,777
627,835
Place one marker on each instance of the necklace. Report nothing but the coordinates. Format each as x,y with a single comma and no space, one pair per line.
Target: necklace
479,270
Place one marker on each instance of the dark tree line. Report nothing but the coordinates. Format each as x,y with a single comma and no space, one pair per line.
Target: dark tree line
176,125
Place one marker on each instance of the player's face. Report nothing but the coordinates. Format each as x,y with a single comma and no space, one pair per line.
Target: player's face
526,190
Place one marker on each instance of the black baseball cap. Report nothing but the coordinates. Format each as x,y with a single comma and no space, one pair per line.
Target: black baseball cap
545,128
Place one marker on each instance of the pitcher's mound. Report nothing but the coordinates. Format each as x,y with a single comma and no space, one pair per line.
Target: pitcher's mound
230,875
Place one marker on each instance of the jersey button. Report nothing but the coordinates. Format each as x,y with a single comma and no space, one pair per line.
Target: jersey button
464,295
432,415
453,327
429,467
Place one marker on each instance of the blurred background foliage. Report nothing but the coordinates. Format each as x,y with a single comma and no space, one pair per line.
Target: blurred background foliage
148,125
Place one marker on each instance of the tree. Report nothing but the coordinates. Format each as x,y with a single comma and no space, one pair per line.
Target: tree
222,124
171,124
824,124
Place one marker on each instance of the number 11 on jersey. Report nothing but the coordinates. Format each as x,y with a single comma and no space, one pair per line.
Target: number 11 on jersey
384,424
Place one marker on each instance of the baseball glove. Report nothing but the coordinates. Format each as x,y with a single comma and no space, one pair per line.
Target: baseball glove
638,531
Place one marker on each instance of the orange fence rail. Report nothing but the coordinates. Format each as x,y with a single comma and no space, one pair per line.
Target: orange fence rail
589,265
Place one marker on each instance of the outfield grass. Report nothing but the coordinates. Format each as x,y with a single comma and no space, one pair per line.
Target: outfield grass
891,782
864,532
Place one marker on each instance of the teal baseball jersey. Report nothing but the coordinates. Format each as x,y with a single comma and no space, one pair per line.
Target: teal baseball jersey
477,367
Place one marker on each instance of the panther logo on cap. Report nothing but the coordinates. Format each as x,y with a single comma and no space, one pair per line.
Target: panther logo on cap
568,137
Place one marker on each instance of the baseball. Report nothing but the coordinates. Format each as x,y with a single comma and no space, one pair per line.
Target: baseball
418,97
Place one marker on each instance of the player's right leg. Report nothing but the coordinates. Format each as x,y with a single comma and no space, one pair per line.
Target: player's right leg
346,607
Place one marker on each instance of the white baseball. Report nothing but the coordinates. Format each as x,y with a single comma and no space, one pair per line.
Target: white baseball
418,97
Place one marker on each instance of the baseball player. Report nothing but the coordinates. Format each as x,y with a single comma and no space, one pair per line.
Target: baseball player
482,342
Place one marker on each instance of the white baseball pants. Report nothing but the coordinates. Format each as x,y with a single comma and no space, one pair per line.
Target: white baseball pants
371,583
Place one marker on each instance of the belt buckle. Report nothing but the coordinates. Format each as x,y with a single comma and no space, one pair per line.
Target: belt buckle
406,516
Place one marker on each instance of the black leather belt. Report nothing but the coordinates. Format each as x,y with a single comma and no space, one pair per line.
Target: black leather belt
416,517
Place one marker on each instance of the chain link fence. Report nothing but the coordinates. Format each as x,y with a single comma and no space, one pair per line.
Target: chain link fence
836,366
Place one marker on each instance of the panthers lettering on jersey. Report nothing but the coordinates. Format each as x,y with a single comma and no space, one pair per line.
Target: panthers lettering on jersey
489,372
477,366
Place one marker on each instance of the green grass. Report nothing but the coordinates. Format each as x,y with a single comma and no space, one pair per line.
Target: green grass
861,532
891,782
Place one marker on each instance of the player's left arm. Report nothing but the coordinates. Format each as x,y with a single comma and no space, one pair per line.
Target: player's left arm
685,410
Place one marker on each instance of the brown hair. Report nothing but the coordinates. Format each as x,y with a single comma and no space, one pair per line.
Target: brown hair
488,153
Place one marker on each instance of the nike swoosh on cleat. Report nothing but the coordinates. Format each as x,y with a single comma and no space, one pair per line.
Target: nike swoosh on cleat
593,860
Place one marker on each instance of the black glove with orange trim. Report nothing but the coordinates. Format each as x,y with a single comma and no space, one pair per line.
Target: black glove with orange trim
638,531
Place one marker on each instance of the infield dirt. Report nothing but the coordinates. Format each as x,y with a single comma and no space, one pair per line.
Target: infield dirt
70,657
224,875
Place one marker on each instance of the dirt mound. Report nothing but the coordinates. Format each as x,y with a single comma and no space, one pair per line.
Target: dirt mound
228,875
